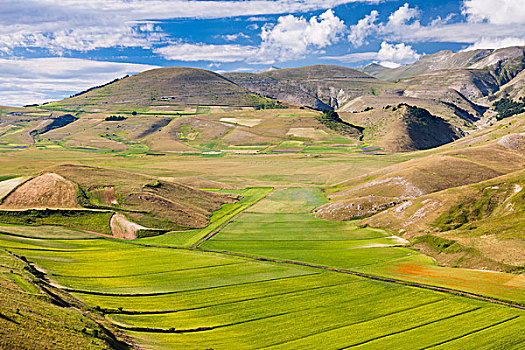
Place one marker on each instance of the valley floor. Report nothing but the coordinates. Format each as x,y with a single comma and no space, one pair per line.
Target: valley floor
271,275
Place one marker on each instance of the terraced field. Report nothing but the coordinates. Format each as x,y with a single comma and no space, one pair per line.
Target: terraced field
168,296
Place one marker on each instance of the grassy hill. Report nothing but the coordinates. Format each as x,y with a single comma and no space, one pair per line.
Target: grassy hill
34,315
162,87
403,128
86,198
451,193
478,225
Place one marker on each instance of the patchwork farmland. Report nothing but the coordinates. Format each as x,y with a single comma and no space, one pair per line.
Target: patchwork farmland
172,298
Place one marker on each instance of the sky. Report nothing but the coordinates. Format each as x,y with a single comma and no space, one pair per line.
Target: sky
51,49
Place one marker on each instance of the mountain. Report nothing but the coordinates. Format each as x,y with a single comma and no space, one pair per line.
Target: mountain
472,84
320,87
503,64
163,87
514,89
428,63
186,109
480,156
461,203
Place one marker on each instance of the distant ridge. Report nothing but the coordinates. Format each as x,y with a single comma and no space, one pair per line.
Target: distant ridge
446,59
318,86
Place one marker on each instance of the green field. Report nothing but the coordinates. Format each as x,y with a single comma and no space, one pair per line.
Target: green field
219,218
174,297
179,298
283,227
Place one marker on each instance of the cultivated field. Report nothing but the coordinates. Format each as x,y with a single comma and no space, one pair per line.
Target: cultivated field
179,298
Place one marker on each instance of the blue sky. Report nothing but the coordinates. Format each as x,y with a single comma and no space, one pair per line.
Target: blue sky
50,49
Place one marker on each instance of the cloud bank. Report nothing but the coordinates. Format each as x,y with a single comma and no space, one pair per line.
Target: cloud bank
38,80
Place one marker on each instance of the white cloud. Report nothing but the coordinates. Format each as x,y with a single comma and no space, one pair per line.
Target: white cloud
495,11
389,55
234,37
204,52
400,21
355,57
236,70
38,80
403,15
389,64
460,33
291,37
259,19
364,28
396,54
496,43
441,21
61,25
491,23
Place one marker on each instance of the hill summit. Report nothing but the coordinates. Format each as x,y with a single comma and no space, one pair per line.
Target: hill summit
164,87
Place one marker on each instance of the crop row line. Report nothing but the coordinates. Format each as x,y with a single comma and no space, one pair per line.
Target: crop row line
472,332
148,274
192,330
411,328
375,277
81,291
156,312
333,328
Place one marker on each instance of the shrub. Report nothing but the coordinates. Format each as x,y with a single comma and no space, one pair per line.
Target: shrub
115,118
507,107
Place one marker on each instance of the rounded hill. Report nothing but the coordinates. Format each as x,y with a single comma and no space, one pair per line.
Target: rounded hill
163,86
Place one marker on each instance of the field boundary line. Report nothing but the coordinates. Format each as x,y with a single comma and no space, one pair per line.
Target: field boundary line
231,219
192,330
147,274
472,332
412,328
4,233
376,278
81,291
155,312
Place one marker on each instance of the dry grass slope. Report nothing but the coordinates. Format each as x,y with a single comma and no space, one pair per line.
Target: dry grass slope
151,202
45,191
377,191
